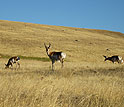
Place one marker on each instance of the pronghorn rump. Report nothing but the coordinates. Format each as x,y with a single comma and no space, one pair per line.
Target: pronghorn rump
63,55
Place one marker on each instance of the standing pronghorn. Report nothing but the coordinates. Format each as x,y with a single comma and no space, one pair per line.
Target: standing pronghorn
13,60
55,56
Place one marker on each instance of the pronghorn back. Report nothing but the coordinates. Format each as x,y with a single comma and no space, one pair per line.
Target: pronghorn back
55,55
14,59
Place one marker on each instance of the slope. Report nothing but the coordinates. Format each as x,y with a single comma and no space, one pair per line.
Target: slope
82,45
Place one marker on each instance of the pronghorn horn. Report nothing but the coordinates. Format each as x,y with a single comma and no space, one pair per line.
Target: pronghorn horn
49,45
45,45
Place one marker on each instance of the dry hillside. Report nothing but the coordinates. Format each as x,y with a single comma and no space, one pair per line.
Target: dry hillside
87,45
85,81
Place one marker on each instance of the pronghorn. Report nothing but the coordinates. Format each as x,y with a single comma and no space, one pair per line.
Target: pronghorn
55,56
114,59
13,60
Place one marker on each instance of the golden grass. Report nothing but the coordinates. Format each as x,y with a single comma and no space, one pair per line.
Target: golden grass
85,81
35,85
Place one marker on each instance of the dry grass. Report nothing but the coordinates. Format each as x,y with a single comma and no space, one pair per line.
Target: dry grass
35,85
85,80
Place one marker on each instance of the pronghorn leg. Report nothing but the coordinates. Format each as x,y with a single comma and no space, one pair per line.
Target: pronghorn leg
11,65
113,62
18,64
62,63
53,65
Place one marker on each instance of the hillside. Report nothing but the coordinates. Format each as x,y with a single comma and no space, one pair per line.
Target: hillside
85,81
82,45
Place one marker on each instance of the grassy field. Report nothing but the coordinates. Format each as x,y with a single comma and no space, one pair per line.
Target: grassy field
85,81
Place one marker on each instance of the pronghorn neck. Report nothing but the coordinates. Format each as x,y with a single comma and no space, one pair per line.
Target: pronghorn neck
48,52
7,65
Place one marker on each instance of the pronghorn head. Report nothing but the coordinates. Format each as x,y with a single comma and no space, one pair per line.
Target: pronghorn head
47,48
6,66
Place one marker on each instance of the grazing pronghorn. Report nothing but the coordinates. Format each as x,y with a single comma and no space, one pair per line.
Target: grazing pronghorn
55,56
114,59
13,60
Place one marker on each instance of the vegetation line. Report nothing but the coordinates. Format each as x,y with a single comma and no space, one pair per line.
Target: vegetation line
44,59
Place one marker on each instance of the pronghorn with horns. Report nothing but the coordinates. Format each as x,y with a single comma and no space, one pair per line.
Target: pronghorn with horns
55,56
12,61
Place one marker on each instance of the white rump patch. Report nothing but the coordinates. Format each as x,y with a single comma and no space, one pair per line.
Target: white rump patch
122,61
119,57
63,55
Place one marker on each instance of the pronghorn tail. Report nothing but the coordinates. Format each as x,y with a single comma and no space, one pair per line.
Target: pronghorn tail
63,55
